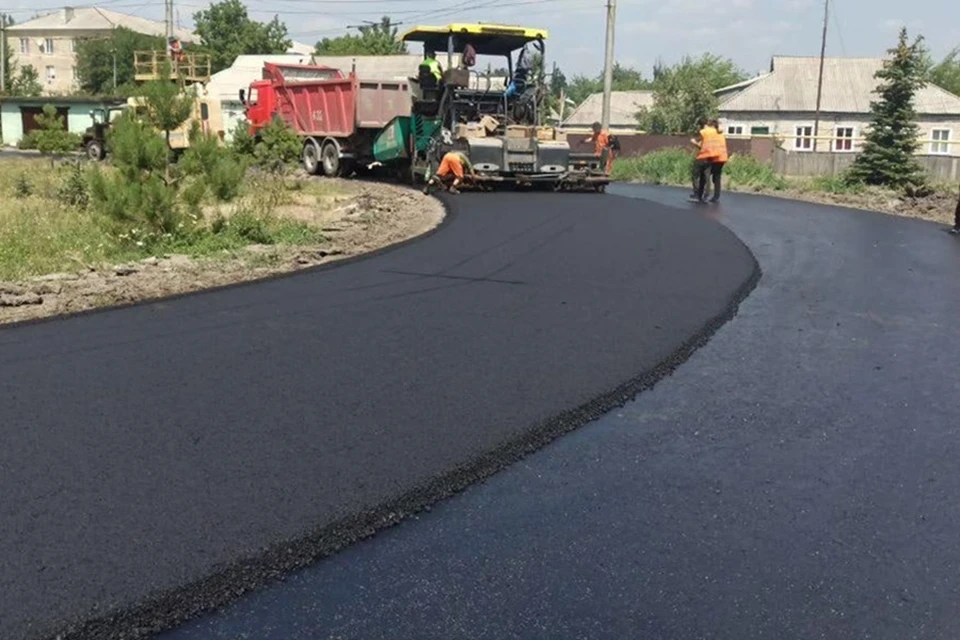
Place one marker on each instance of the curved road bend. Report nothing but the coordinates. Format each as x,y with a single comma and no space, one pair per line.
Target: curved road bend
147,450
797,478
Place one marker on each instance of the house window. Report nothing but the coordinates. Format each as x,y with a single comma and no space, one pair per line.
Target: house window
24,46
804,139
759,131
844,139
735,130
73,73
73,45
941,141
51,73
48,46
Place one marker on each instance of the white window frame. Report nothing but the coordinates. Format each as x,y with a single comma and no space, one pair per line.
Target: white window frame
734,129
73,45
803,133
73,74
50,73
837,138
48,46
24,46
940,146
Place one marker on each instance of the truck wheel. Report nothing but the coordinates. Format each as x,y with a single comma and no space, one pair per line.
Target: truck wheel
95,150
332,167
311,157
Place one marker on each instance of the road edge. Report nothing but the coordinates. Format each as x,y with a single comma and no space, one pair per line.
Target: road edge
174,607
332,264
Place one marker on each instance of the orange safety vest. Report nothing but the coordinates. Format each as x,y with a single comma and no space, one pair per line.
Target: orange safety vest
722,154
711,144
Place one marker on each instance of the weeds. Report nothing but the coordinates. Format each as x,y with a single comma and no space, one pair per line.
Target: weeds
674,166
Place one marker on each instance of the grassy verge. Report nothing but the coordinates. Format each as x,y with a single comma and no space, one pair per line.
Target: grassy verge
47,224
744,173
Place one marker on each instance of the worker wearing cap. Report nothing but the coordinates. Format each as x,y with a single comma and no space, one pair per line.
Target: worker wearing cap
601,141
432,65
454,164
709,145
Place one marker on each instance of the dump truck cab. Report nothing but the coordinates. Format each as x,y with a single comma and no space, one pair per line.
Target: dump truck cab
499,127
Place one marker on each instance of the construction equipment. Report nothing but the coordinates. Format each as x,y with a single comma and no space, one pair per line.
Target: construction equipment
337,116
500,130
94,139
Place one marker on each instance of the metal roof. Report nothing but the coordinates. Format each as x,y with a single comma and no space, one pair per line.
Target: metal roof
94,19
848,87
624,106
487,39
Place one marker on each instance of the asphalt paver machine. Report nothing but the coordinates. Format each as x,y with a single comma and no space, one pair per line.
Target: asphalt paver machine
497,122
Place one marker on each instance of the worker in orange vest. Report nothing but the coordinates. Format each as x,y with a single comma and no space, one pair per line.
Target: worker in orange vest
454,166
601,141
710,145
716,167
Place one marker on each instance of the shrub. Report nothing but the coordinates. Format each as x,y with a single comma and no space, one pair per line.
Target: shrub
242,142
22,188
74,189
277,147
52,136
674,166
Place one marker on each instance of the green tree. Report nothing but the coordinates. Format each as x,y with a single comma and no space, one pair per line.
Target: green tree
683,93
946,73
226,31
52,136
96,58
892,138
166,105
379,39
581,87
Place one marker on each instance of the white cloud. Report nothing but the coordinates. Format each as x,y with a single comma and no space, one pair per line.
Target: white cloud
642,27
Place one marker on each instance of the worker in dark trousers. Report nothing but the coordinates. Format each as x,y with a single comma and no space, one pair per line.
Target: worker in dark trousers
955,230
709,143
716,167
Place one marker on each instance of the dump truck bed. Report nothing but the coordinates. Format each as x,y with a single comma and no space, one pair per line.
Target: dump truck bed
339,108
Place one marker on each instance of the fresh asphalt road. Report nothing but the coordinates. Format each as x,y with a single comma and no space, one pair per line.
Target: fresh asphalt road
147,451
796,478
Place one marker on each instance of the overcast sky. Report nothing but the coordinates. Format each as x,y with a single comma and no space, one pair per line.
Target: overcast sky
748,31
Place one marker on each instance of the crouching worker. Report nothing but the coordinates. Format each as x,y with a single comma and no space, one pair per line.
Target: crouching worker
451,172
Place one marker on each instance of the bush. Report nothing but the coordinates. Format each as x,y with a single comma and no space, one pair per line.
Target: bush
674,166
22,187
220,168
242,142
74,189
277,146
52,136
136,195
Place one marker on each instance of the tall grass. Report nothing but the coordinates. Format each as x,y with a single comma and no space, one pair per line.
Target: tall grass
673,166
46,226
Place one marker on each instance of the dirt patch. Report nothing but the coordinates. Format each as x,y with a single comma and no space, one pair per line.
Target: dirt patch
362,217
938,207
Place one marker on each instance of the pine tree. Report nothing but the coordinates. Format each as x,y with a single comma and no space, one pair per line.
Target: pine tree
888,156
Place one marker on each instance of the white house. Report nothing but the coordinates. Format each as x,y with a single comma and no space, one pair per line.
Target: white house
783,103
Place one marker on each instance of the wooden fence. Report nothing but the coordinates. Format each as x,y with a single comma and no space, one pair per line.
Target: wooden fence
822,163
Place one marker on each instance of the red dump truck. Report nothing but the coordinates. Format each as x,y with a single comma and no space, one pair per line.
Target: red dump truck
337,116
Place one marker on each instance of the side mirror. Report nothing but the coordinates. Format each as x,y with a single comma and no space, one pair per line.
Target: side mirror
243,96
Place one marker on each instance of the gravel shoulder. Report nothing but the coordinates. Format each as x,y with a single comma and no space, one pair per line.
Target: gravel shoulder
361,218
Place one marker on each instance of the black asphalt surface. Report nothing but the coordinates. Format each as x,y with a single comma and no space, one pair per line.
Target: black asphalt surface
796,478
218,440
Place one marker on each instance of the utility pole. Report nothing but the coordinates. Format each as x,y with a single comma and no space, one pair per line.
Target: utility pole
608,63
3,52
823,50
168,19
